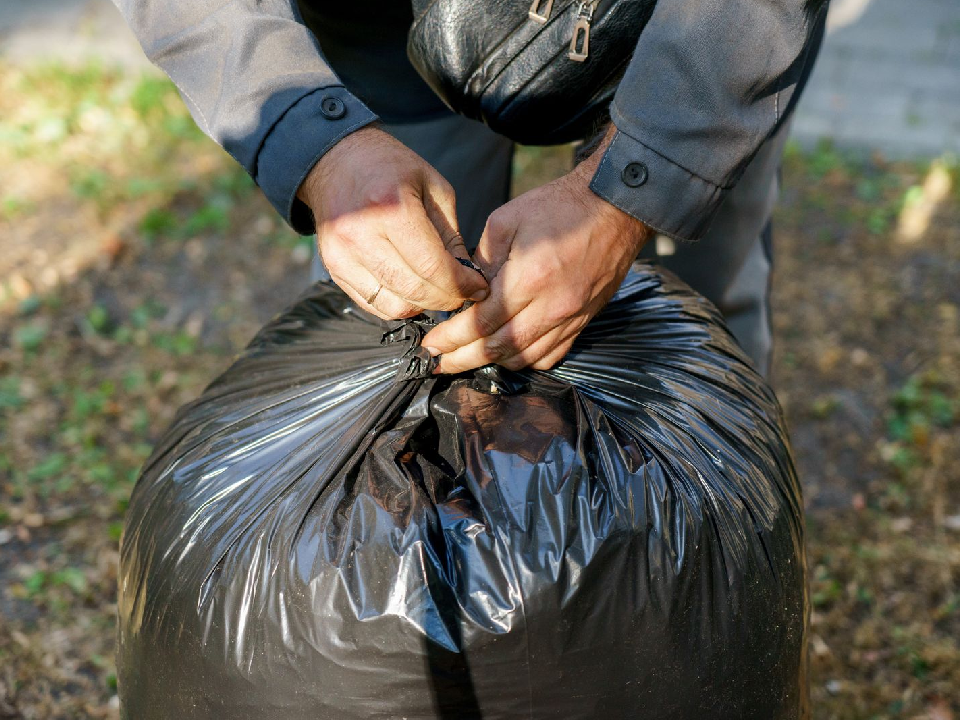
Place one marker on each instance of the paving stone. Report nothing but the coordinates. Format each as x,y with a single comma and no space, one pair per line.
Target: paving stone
888,79
70,31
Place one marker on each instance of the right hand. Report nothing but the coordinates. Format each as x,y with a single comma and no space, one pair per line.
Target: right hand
387,228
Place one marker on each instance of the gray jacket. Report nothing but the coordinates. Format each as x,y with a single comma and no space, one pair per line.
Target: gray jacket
709,82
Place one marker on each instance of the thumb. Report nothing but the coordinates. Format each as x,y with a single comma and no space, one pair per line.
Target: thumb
496,241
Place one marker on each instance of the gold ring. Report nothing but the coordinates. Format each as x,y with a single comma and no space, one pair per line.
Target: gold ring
373,295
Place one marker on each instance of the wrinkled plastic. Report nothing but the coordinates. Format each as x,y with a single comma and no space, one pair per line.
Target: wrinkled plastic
330,531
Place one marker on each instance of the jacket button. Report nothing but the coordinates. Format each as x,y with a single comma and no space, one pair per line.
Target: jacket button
332,107
634,174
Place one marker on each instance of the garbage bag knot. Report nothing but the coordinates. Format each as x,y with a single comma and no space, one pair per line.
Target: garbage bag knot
416,363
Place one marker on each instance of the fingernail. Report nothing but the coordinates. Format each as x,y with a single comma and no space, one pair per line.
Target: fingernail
433,351
480,295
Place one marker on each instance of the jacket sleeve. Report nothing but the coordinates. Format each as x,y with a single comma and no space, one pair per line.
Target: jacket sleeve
256,82
710,80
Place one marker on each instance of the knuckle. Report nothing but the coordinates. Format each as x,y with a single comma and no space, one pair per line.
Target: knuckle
541,275
410,190
384,195
420,293
442,186
498,347
335,264
386,273
414,292
497,225
341,229
568,304
517,362
567,307
445,185
486,325
324,233
328,240
430,266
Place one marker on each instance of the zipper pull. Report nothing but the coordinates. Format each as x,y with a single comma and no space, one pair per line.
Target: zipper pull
536,15
580,50
580,42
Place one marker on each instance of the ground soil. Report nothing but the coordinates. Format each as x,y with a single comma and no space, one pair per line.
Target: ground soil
117,308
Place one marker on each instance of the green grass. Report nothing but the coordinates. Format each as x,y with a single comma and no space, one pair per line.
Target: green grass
117,139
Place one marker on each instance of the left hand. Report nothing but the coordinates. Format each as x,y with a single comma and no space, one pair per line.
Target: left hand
554,257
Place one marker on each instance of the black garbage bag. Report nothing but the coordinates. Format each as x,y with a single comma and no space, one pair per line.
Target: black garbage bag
331,532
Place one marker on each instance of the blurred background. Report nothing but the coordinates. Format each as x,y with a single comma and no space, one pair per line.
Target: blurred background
136,258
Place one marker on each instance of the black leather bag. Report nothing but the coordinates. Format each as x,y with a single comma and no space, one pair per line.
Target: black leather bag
540,74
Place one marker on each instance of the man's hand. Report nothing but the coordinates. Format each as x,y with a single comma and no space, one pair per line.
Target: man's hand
556,255
387,228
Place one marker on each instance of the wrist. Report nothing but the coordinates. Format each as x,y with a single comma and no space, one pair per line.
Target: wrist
619,224
627,229
309,185
312,186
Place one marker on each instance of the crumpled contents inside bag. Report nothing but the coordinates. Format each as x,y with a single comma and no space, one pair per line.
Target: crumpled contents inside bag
331,532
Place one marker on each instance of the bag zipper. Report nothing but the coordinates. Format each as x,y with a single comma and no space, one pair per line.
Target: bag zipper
537,15
580,42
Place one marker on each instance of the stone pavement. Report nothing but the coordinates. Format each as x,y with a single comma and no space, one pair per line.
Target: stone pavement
66,30
888,78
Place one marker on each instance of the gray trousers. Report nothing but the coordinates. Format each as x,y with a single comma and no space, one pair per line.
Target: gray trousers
731,265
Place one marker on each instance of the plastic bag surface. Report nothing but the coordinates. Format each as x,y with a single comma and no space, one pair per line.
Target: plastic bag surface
331,532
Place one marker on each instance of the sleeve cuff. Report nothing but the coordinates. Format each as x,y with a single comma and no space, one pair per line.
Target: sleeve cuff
310,127
658,192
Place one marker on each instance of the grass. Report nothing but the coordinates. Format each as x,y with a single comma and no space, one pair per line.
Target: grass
139,258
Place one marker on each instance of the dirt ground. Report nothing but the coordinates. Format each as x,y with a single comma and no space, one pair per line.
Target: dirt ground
137,259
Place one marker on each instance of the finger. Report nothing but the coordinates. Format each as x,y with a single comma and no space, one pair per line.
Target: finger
376,256
419,242
478,321
391,306
497,239
440,203
457,247
370,295
393,270
561,346
512,339
545,347
554,358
